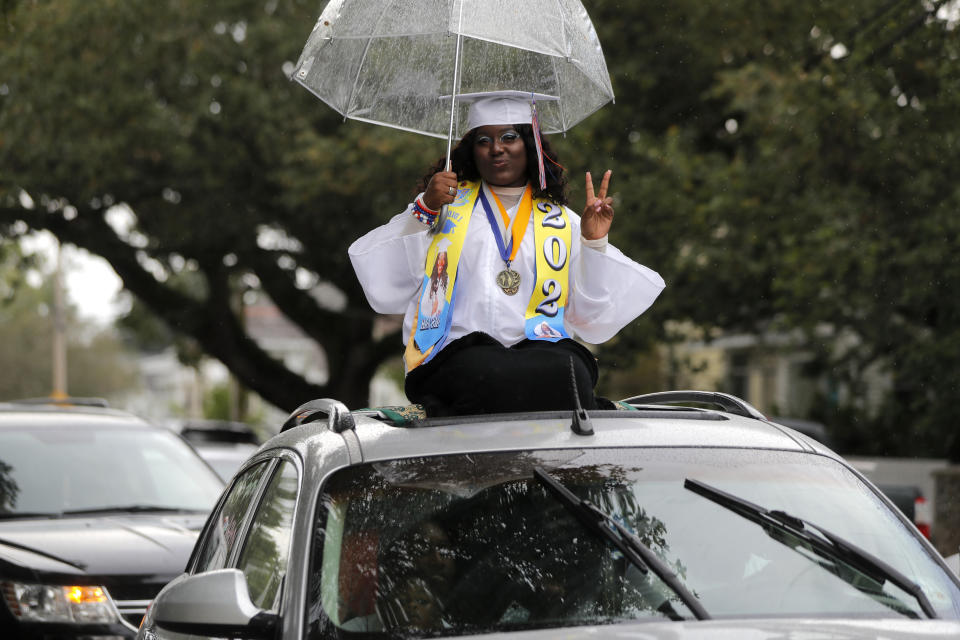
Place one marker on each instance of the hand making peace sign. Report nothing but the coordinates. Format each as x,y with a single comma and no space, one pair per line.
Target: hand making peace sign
598,214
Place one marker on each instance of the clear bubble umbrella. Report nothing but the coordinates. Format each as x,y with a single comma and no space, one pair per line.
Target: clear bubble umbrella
401,63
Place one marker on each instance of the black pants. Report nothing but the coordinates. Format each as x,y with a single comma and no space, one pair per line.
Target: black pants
476,374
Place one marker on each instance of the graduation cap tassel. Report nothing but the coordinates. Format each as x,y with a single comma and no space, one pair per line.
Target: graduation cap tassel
536,136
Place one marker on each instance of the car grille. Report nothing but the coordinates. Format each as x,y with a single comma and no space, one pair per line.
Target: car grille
132,597
132,610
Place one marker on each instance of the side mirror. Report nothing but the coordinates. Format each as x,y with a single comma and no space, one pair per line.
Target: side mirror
216,603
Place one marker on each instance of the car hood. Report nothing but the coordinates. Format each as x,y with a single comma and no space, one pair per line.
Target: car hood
115,545
758,629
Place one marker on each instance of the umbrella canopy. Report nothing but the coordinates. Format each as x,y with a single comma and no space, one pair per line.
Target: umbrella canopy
393,62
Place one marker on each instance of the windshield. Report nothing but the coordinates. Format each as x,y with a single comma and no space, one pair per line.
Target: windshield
54,471
474,544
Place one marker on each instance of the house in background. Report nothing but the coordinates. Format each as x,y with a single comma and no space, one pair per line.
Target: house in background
772,372
170,389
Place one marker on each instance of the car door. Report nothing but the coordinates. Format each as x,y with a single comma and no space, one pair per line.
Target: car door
250,531
222,534
266,546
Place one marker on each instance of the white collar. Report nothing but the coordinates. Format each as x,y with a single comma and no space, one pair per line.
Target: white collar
508,191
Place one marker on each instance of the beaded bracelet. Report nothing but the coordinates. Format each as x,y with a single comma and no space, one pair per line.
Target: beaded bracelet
422,213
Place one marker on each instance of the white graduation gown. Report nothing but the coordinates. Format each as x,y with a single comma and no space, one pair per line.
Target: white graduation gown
607,289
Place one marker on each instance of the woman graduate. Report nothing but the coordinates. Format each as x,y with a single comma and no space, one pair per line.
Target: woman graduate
523,275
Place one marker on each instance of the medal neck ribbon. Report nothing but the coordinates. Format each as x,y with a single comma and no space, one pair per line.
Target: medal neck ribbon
517,226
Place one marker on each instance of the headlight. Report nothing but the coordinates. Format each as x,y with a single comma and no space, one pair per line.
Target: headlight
56,603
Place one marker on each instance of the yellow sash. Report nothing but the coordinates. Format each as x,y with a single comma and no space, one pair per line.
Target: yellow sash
544,315
551,234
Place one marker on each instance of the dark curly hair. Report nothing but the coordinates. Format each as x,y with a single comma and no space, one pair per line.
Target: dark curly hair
466,169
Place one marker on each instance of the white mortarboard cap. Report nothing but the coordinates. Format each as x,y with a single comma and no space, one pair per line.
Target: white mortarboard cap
500,107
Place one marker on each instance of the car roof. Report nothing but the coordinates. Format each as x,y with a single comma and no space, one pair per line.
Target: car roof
39,414
369,435
547,431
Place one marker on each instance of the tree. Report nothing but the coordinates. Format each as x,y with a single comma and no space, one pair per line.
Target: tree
13,266
783,169
799,180
181,113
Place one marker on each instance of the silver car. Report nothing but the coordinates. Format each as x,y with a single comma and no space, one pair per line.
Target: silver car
655,521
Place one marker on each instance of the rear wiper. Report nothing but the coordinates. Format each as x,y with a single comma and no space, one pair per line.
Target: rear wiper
604,525
796,532
130,508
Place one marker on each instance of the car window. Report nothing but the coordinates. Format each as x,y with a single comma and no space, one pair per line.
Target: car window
76,468
410,547
221,536
264,556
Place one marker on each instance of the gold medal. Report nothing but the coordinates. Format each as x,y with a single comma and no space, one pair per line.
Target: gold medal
509,281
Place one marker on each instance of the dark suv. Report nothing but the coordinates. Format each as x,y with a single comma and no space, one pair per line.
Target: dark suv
98,510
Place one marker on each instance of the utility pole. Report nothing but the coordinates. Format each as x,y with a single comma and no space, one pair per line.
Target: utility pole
239,399
59,333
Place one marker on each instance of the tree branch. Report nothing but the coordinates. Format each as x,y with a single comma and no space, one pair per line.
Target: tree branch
211,322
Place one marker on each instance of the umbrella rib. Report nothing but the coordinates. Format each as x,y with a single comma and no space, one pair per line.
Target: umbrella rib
400,127
513,45
363,58
456,85
556,73
394,35
563,114
563,28
603,88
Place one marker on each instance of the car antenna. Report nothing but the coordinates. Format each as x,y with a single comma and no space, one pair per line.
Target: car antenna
581,425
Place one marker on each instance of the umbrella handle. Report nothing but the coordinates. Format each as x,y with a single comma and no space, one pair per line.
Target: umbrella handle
441,218
456,82
438,224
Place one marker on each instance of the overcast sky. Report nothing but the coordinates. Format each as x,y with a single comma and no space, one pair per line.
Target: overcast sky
91,285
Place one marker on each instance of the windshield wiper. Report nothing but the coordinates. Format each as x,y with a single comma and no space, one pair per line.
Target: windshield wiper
15,515
604,525
131,508
780,526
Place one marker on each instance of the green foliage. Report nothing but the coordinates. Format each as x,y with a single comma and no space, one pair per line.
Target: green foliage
216,403
182,111
777,187
229,403
13,266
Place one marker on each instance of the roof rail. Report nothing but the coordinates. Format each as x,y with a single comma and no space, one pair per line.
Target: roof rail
339,418
64,401
728,403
